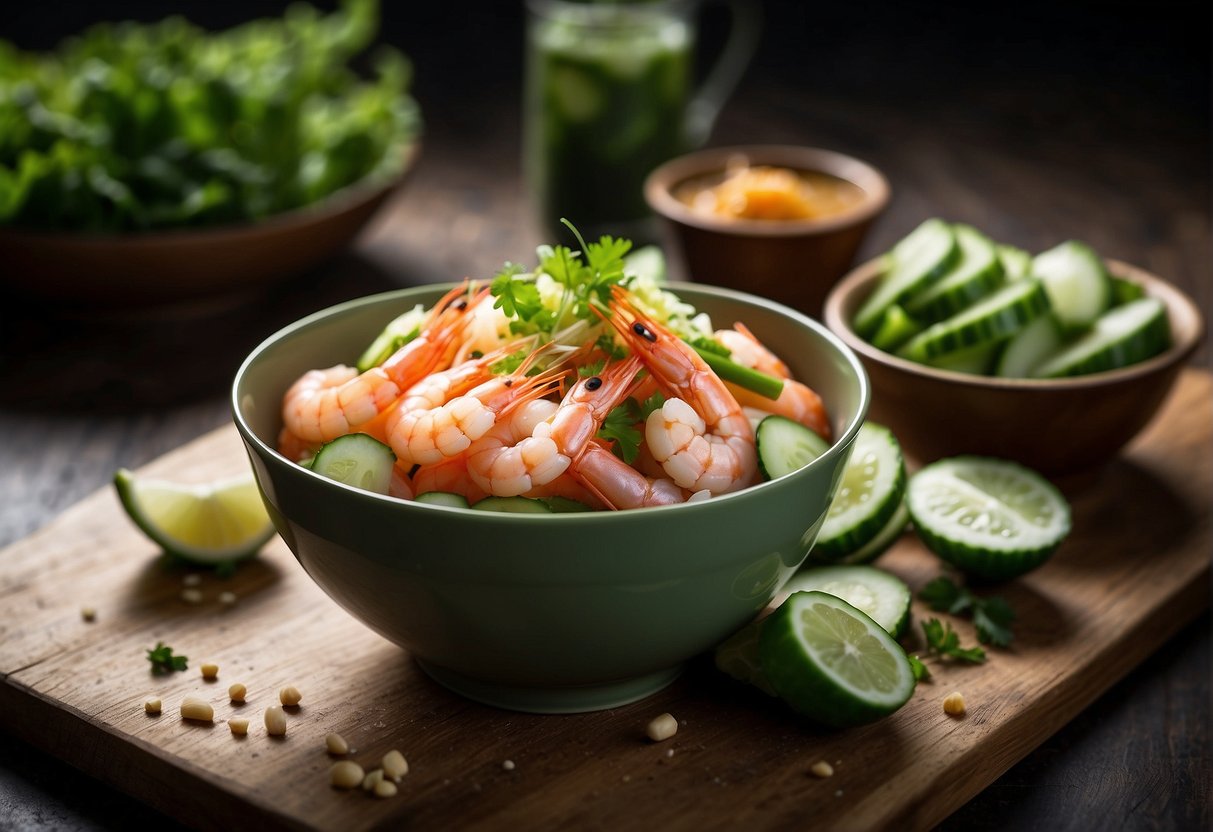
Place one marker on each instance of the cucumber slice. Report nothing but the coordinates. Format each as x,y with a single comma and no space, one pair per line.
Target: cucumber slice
896,327
833,663
1077,283
1032,345
738,656
395,335
923,256
991,518
880,544
647,263
1125,335
358,460
977,272
1124,290
883,597
1016,262
564,505
442,498
871,489
785,446
517,505
991,319
977,361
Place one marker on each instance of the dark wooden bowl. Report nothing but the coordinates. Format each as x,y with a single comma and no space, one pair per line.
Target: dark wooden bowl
795,262
1057,426
159,267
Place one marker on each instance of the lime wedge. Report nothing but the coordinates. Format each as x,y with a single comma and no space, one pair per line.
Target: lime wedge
833,663
211,524
991,518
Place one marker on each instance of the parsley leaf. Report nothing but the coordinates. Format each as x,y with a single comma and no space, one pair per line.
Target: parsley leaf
591,369
620,426
516,296
943,641
510,363
606,343
920,670
653,402
992,616
162,659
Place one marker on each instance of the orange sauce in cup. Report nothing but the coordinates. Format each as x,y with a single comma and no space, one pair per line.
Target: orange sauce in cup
762,192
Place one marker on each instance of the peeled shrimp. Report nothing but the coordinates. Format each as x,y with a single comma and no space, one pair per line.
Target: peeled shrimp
700,435
537,447
797,401
422,435
318,408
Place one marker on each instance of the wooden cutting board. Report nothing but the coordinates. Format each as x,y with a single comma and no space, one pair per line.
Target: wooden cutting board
1134,571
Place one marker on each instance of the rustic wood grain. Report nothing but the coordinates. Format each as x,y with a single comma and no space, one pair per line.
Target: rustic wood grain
1135,571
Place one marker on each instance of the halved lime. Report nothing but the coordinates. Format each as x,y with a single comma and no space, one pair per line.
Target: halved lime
833,663
868,496
212,524
992,518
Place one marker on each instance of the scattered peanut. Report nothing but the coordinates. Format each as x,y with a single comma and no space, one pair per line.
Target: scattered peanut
662,727
336,745
192,579
194,708
822,769
88,614
394,765
239,726
152,706
237,692
508,765
210,671
275,722
290,696
954,704
191,596
372,779
343,775
385,788
227,598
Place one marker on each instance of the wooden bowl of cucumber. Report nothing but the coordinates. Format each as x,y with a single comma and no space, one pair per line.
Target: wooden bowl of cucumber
1055,361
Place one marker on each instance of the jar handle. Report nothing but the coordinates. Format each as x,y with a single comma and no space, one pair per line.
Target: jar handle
745,25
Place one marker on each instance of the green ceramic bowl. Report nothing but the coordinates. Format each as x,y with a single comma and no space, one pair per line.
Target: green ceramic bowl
552,613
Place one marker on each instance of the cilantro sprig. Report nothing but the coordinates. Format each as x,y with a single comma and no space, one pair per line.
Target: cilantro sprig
944,642
164,660
620,424
991,616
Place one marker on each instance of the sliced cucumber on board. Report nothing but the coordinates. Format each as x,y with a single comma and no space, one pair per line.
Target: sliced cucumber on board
977,272
883,597
880,544
922,257
1125,335
991,319
1077,282
358,460
869,494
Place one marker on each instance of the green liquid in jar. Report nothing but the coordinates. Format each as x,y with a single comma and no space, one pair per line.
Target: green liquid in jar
605,105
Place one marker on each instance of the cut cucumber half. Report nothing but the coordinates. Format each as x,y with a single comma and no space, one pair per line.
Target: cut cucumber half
869,493
1123,336
880,544
515,505
785,446
883,597
833,663
1077,283
992,518
991,319
358,460
395,335
1016,262
213,524
738,657
442,498
976,273
923,256
896,327
1027,349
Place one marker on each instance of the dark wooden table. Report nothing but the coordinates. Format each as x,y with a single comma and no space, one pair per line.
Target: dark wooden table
1052,151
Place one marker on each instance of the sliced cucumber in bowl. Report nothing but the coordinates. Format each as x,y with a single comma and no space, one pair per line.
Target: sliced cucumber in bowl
1125,335
1077,282
977,272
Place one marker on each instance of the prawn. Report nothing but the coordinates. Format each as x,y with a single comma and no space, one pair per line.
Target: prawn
325,404
539,445
797,401
700,435
619,485
400,486
434,426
